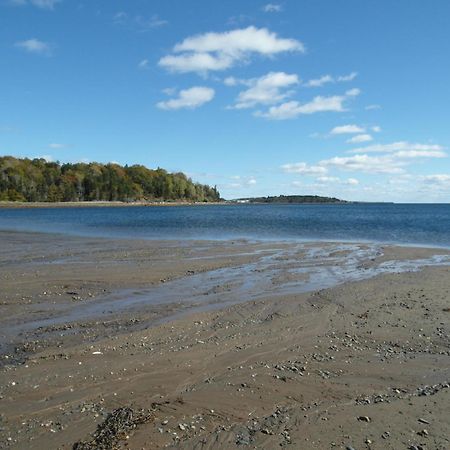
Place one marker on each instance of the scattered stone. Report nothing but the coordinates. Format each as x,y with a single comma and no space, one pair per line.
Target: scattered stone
364,419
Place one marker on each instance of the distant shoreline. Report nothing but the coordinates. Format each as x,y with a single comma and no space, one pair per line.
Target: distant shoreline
117,204
25,205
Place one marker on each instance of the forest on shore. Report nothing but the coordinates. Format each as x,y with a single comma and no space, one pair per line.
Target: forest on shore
38,180
291,199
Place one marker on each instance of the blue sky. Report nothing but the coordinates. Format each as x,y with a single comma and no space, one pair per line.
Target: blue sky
344,98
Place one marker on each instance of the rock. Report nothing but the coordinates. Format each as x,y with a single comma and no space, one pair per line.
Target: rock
364,419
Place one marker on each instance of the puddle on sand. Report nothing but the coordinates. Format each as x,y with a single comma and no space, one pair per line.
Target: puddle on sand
300,268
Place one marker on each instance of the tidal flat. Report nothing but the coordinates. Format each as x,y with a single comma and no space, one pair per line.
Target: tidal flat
109,343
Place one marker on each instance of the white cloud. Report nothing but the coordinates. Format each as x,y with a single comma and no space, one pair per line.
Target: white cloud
392,163
57,146
292,109
138,22
318,82
220,51
325,79
441,178
364,163
240,182
376,129
143,64
43,4
169,91
196,62
353,92
305,169
403,146
347,129
189,98
272,7
337,180
231,81
360,138
267,89
35,46
420,154
349,77
372,107
327,180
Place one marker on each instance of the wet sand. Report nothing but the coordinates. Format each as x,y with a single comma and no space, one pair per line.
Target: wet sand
223,344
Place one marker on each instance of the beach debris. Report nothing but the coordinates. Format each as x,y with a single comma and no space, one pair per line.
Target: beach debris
115,428
364,419
423,433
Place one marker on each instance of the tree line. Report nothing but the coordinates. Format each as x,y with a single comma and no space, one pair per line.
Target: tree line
38,180
293,199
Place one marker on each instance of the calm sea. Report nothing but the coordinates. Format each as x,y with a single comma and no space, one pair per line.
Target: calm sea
416,224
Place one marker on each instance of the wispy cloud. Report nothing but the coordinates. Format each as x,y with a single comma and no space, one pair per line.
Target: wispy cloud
433,150
394,159
304,169
359,138
143,64
318,82
365,163
43,4
326,79
266,90
138,22
272,7
191,98
442,178
393,162
56,146
35,46
293,109
347,129
220,51
372,107
337,180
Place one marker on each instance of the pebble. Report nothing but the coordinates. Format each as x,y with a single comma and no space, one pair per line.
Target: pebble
364,419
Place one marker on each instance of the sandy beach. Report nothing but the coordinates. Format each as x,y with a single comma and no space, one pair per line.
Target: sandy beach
222,344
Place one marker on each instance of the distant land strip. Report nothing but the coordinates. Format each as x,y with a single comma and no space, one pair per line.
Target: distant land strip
291,199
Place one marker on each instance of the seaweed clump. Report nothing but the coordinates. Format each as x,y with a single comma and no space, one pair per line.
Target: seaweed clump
113,429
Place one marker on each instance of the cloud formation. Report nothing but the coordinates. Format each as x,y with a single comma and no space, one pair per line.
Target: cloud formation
220,51
188,99
304,169
359,138
325,79
138,22
347,129
432,150
265,90
35,46
364,163
293,109
43,4
272,7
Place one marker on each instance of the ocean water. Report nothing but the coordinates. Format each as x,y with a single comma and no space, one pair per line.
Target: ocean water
409,224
